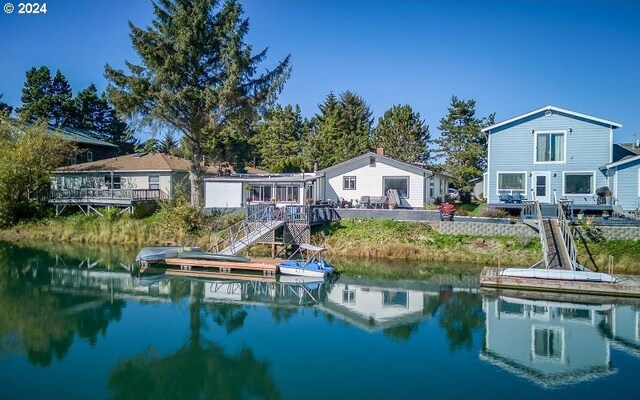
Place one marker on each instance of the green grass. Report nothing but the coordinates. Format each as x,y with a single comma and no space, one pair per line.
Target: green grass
473,209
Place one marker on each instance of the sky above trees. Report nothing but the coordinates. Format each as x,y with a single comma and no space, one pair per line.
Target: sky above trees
509,57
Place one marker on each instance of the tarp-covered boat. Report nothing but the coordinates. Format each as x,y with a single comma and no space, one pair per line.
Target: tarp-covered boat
152,255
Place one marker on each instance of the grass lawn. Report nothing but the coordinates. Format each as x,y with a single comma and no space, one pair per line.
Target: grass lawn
474,209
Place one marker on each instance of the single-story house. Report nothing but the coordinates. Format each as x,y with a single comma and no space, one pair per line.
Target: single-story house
122,180
554,151
369,175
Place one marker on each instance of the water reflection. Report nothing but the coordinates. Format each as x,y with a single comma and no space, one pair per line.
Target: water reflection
191,337
552,341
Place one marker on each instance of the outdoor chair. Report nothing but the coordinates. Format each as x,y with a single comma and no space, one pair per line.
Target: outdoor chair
505,197
517,197
365,202
620,212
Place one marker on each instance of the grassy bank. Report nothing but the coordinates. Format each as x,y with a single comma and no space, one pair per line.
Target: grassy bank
417,243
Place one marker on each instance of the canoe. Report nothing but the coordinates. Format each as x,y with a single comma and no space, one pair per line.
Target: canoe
203,255
159,254
558,274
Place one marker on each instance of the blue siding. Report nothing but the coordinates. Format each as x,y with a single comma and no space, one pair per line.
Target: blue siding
587,144
626,178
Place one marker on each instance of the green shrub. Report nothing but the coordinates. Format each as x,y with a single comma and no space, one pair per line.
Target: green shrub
495,213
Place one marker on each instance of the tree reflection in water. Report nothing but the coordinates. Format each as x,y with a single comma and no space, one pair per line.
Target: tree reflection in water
38,322
200,369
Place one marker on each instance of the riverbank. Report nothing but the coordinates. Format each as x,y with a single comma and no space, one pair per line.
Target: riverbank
413,242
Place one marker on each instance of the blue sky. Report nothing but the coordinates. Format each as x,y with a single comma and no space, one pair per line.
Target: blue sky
510,56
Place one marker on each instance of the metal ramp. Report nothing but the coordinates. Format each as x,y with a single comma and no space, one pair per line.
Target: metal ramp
250,230
558,247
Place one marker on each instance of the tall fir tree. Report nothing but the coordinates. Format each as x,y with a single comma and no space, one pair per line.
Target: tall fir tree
403,135
462,143
340,130
62,109
278,139
197,75
36,96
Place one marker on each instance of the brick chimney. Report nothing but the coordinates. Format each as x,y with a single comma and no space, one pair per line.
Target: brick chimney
380,151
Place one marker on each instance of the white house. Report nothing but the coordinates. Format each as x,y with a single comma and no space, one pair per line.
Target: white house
370,175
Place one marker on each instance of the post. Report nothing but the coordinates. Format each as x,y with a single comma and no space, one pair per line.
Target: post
111,185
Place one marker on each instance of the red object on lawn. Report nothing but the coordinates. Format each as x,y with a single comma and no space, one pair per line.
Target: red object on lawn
447,208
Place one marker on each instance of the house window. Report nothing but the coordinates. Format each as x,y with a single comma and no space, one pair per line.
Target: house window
548,343
154,182
348,296
89,155
399,183
432,188
395,299
289,194
261,193
116,184
349,183
579,183
550,147
512,181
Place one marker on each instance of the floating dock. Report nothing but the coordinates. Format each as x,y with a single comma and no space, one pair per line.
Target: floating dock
265,266
626,285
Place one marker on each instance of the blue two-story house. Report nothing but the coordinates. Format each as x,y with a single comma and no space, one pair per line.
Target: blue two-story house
553,149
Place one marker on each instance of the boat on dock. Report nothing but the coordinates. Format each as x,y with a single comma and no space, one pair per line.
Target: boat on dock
204,255
559,270
307,260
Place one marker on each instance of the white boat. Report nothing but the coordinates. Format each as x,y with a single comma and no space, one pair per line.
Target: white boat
558,274
311,262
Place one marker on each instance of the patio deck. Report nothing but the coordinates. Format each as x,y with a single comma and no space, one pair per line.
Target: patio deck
90,198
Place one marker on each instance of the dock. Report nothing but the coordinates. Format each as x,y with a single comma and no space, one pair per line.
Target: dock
265,266
626,285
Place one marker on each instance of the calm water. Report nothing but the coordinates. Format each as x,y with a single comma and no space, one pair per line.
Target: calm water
80,324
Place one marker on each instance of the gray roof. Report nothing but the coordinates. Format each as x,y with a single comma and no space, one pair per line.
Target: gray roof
388,160
70,134
266,177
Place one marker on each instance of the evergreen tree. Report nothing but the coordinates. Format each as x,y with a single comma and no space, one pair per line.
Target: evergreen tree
4,107
198,76
62,110
36,96
341,130
93,113
403,135
462,143
168,144
277,141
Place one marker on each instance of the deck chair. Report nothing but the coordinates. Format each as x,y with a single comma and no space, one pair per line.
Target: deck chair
505,197
365,201
517,197
620,212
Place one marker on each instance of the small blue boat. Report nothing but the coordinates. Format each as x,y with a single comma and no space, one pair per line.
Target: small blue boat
311,262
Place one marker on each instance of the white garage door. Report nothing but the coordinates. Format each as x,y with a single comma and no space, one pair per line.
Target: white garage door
222,194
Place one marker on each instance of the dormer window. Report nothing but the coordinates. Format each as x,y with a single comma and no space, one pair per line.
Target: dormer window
550,147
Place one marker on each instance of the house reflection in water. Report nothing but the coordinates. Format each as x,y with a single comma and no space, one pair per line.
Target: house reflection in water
374,307
549,343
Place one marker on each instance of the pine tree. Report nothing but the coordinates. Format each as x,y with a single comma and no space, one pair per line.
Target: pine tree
62,110
403,135
197,75
462,143
340,130
278,141
168,144
36,96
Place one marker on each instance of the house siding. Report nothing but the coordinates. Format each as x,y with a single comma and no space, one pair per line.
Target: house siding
588,146
626,191
369,182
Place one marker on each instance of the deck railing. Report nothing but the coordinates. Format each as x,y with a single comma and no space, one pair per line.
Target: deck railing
565,229
103,194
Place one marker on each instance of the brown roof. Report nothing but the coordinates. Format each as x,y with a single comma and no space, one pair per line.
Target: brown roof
146,162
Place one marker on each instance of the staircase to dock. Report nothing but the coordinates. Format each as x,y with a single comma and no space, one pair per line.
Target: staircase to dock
558,247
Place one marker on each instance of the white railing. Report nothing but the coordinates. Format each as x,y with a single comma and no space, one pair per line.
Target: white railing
541,228
565,230
93,193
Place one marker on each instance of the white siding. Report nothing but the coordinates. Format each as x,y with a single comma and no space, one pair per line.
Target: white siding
369,182
222,194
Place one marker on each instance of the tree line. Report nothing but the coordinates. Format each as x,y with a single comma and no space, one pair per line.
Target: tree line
198,77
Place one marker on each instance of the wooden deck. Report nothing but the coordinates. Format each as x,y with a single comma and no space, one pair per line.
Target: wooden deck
266,266
627,285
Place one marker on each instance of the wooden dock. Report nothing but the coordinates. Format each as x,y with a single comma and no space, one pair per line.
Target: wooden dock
626,285
266,266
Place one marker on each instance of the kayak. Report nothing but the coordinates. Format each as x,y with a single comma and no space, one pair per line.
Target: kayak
203,255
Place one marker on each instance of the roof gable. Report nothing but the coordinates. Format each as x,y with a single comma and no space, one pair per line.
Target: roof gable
551,108
384,159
